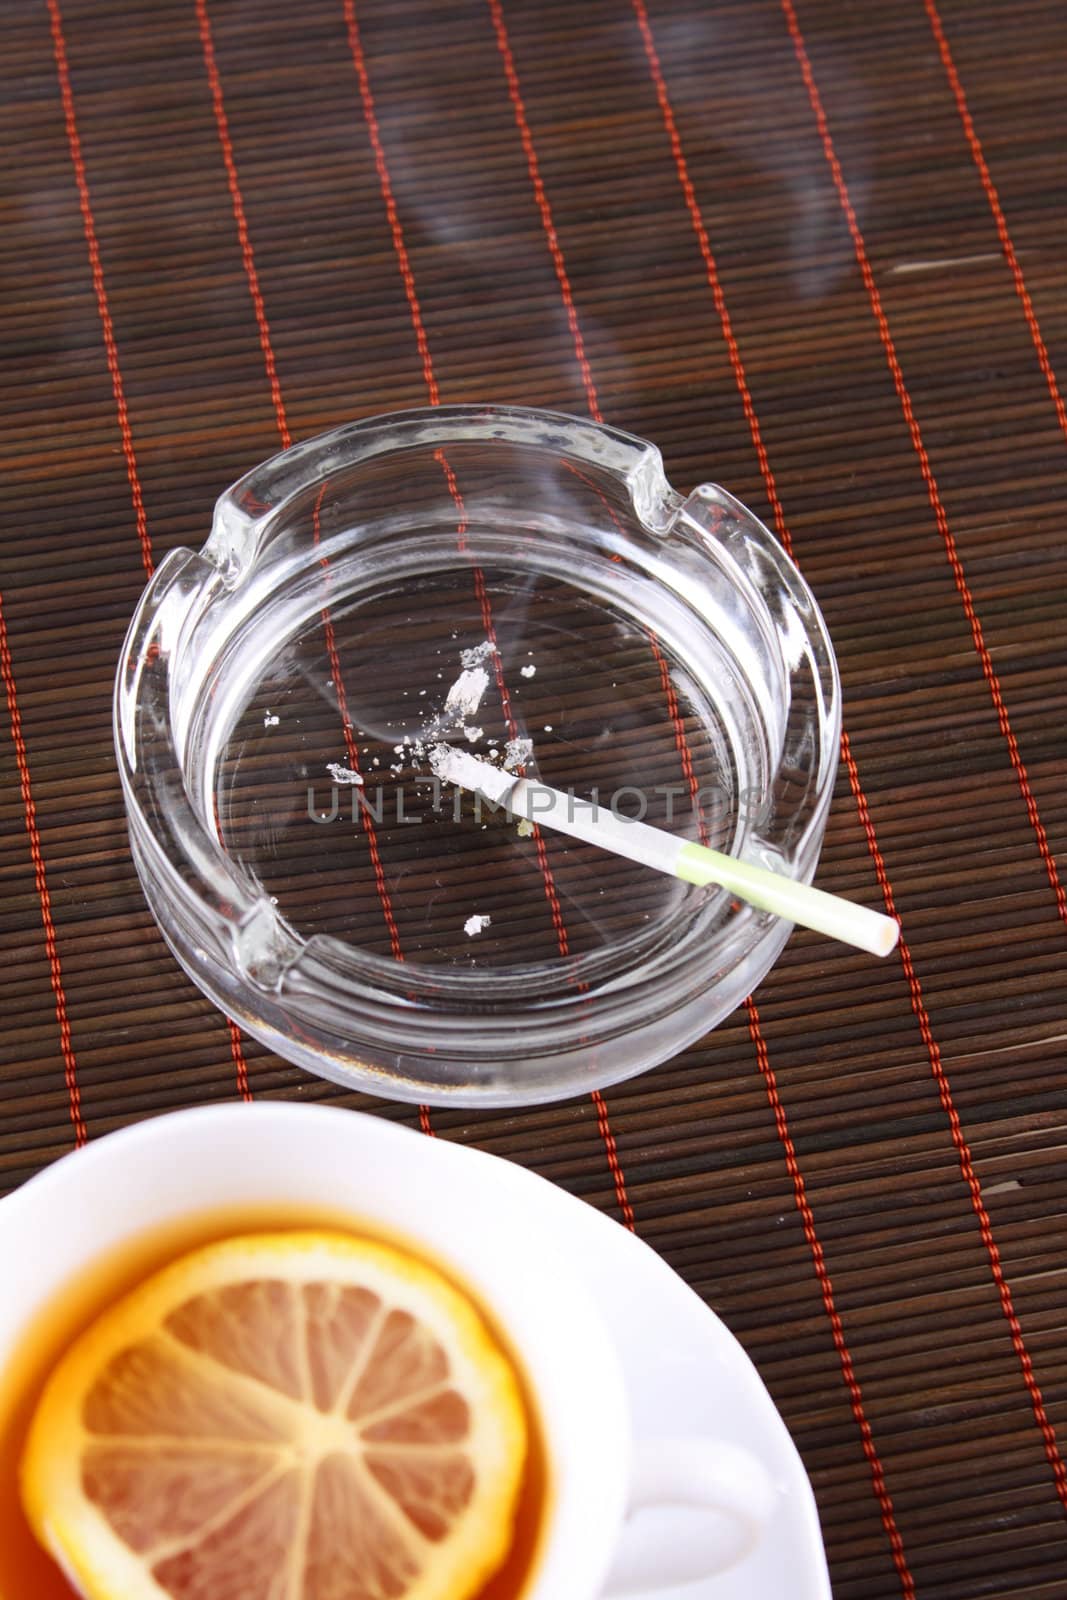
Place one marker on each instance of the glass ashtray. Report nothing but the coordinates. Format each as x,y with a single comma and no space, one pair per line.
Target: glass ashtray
524,585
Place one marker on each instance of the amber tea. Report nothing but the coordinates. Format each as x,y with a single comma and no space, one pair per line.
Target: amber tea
25,1568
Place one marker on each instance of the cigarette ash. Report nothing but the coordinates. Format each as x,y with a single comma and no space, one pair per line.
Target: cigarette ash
342,774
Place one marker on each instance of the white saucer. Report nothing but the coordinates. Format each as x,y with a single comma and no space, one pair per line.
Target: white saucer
687,1375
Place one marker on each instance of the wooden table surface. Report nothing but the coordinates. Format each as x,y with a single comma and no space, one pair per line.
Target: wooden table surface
816,252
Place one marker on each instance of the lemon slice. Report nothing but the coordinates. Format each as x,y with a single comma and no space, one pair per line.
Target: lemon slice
289,1416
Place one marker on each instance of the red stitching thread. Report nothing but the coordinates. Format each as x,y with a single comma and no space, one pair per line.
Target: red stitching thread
385,182
533,166
236,1052
822,1273
238,1056
1044,359
96,267
407,275
29,813
807,1215
111,350
603,1123
989,672
555,910
352,749
353,761
848,1371
800,1193
267,348
222,125
367,821
711,269
681,742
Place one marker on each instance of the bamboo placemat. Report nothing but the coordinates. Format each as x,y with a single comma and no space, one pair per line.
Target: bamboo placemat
814,251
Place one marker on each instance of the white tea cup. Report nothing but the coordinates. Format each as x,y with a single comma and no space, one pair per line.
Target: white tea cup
472,1214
